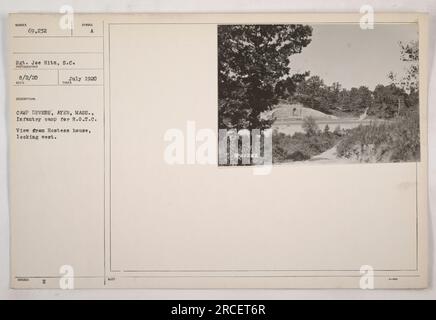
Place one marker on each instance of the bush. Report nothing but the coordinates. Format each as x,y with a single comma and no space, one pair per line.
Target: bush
405,138
310,127
302,146
391,141
298,156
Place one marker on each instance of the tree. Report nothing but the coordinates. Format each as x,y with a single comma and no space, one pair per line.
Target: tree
314,94
334,93
409,82
310,127
387,101
409,54
286,88
253,70
360,100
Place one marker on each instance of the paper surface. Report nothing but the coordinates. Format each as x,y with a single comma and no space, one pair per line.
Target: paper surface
95,202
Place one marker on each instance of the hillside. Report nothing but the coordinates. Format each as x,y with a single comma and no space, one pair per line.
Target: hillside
298,111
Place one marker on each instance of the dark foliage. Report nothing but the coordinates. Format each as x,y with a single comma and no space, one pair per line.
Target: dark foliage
253,70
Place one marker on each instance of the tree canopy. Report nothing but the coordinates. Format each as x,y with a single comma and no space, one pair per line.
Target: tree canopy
253,70
385,101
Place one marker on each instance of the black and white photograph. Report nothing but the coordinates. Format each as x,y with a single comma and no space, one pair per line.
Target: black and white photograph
213,153
328,93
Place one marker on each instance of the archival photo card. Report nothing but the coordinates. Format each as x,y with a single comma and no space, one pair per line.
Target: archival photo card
256,150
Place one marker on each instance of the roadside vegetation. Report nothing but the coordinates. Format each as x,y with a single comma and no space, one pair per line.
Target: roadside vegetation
303,146
393,141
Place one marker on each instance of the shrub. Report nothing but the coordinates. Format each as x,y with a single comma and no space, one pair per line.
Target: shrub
395,140
302,146
298,156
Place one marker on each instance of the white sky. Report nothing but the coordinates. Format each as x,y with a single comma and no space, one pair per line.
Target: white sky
353,57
